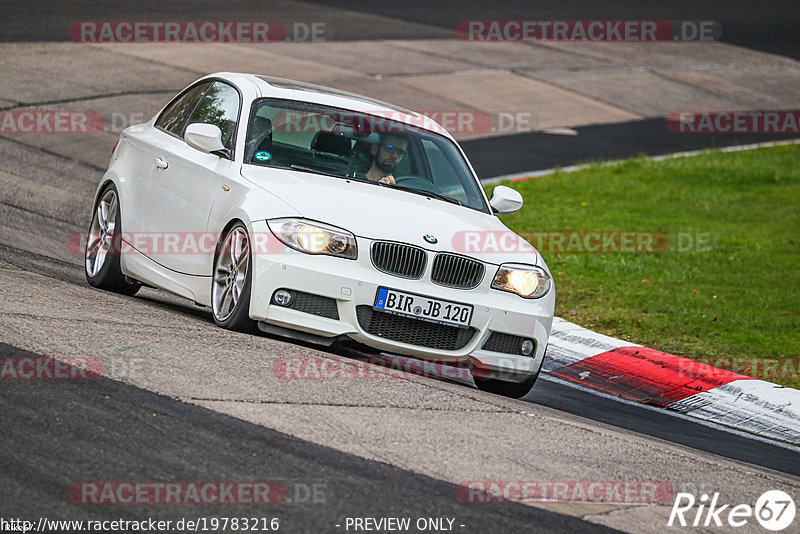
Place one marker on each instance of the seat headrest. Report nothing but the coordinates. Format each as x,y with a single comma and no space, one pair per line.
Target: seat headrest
331,143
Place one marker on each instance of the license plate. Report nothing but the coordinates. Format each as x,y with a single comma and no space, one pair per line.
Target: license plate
423,308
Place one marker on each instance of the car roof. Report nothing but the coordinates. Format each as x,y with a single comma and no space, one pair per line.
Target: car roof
274,87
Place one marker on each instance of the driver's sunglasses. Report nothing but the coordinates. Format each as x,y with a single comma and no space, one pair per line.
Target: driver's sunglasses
391,149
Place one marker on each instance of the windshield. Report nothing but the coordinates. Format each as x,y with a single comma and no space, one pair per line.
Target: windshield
348,144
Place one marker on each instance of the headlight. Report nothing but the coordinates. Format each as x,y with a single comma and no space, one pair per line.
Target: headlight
526,281
315,238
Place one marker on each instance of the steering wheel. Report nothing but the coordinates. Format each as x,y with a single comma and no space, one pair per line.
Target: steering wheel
414,181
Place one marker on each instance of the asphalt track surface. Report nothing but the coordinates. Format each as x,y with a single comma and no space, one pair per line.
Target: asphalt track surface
500,156
106,430
58,432
662,425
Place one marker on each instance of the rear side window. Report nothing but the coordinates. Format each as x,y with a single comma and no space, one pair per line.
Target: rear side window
175,116
220,107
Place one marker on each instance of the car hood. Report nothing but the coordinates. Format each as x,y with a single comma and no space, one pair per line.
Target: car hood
376,212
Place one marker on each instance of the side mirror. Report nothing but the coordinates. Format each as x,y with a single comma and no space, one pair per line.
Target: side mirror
505,200
204,137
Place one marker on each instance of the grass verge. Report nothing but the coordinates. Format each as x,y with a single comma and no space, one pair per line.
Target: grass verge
722,284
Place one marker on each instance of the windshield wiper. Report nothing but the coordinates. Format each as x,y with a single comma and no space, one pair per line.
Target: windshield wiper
315,171
423,193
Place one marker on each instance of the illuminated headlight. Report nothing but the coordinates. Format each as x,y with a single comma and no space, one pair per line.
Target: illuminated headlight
315,238
525,281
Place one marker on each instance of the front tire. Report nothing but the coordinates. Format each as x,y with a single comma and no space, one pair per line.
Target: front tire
232,280
515,390
103,246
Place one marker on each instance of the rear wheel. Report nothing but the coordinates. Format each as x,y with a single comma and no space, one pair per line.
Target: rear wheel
230,292
103,246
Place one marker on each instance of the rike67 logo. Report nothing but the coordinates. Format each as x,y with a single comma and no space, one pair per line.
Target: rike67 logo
774,510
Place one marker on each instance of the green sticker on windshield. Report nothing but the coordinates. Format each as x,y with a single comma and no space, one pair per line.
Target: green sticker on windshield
263,156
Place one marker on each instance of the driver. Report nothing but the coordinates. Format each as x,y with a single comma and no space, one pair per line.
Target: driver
387,155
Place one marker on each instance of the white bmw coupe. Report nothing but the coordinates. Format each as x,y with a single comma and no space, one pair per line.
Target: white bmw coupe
312,213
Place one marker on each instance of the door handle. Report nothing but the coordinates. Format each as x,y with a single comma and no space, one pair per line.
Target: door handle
161,163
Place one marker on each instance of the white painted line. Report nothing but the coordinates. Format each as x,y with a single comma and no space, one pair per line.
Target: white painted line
521,176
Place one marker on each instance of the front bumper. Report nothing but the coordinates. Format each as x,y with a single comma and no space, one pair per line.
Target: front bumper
354,283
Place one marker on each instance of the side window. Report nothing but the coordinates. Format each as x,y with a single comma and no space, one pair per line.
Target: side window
174,118
219,106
